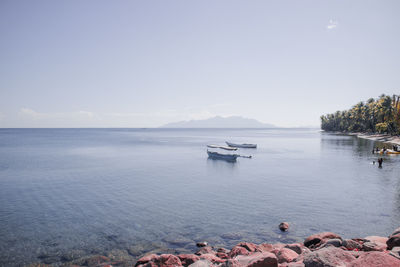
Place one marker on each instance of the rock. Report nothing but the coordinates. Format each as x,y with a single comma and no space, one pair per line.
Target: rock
292,264
222,255
202,263
270,247
317,239
258,259
212,258
284,226
333,242
298,248
230,263
147,258
372,246
188,259
351,244
201,244
286,255
328,257
376,239
394,254
204,250
393,241
223,250
249,246
375,259
168,260
397,231
238,250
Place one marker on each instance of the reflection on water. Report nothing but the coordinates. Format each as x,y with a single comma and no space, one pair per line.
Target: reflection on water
72,192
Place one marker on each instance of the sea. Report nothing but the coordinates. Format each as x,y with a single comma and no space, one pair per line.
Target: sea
71,193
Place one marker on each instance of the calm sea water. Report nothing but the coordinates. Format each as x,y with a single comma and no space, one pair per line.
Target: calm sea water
128,191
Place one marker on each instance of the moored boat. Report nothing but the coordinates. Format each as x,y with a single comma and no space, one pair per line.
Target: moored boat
389,152
241,145
222,147
216,155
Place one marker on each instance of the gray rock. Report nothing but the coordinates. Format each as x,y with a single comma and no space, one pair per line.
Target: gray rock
334,242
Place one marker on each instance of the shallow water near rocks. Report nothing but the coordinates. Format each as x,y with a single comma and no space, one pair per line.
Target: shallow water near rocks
69,193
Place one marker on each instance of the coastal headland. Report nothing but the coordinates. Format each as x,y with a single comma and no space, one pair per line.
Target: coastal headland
318,250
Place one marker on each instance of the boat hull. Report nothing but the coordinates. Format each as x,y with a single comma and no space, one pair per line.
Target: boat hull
227,157
241,145
223,147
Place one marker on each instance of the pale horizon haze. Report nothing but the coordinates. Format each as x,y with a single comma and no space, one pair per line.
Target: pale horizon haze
149,63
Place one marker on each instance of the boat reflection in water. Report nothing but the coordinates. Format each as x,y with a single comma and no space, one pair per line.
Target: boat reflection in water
220,156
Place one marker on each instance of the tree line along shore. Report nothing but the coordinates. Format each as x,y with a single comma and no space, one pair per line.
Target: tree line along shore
381,115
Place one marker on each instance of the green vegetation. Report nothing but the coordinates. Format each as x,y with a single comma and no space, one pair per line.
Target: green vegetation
380,115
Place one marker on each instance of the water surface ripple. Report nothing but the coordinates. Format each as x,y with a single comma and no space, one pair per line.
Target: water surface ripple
97,190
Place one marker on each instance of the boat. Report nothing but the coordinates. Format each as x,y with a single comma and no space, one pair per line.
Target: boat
389,151
241,145
222,147
227,157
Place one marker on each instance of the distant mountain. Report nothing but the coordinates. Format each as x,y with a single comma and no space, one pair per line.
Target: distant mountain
219,122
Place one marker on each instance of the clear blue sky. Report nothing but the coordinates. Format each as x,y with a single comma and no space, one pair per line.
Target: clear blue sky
145,63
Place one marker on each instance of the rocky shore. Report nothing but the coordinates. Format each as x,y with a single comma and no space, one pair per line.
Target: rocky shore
325,249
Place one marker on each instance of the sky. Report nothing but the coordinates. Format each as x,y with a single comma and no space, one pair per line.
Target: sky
147,63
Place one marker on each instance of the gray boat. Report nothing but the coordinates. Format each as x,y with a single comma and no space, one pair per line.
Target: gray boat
241,145
227,157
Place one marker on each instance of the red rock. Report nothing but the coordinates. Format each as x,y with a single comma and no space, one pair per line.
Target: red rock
223,250
298,248
317,239
188,259
393,241
284,226
375,259
258,259
265,247
222,255
328,257
286,255
237,250
249,246
205,250
212,258
169,260
147,258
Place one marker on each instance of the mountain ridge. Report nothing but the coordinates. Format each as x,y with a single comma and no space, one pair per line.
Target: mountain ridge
220,122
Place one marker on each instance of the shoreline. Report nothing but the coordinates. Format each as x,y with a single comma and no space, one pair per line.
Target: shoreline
318,250
384,138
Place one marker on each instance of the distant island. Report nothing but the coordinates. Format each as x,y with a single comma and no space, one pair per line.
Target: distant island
220,122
